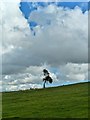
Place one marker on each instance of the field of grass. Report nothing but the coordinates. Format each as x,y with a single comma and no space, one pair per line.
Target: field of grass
61,102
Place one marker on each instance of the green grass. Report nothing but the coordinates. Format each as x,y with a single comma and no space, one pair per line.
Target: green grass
61,102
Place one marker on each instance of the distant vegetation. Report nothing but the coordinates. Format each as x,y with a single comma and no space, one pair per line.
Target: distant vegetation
61,102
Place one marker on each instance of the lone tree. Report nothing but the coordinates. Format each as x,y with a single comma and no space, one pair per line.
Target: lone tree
47,77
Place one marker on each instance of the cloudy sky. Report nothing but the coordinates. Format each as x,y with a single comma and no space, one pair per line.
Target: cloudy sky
38,35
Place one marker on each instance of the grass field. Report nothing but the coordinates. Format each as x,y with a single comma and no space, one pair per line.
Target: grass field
61,102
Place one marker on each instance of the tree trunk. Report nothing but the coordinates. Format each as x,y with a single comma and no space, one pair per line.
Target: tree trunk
44,84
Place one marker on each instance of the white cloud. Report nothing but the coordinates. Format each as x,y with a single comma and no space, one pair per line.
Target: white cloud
64,40
32,77
13,24
75,72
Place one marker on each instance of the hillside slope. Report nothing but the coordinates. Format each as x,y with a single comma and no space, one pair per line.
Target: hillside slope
61,102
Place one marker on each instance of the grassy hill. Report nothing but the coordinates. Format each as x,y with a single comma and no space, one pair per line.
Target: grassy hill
61,102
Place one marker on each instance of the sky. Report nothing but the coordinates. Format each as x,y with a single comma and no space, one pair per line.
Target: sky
51,35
